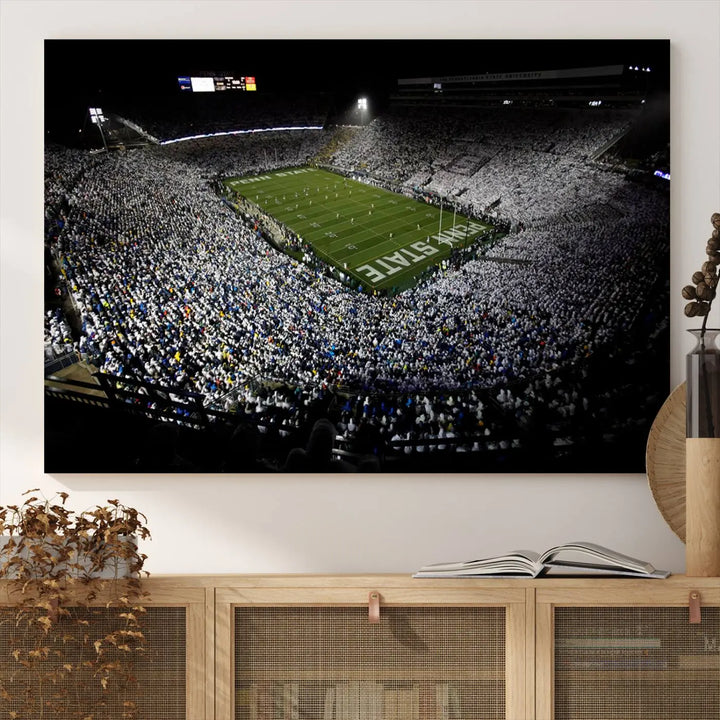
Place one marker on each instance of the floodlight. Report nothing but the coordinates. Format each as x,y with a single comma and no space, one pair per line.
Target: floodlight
362,103
97,118
96,115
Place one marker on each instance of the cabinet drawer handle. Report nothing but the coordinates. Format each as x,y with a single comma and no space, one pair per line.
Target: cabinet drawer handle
694,603
374,607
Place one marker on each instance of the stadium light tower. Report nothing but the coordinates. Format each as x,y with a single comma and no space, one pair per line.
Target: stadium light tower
97,118
362,106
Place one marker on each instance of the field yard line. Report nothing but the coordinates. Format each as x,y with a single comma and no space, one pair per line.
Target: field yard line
361,226
401,240
395,214
326,209
391,221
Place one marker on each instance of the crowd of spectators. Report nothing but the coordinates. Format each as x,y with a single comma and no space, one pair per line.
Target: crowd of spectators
187,114
58,335
482,157
173,288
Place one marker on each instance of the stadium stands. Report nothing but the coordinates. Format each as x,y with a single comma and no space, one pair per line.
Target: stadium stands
187,115
481,362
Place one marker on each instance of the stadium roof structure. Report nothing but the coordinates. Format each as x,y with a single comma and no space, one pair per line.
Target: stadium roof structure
613,85
505,77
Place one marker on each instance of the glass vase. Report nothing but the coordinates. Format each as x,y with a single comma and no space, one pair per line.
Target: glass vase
702,458
703,386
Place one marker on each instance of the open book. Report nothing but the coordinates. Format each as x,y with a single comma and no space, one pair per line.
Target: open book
575,558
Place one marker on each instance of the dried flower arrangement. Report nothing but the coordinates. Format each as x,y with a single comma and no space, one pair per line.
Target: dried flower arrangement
704,288
703,363
71,611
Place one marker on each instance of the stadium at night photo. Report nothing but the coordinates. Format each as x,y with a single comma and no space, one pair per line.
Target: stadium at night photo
355,256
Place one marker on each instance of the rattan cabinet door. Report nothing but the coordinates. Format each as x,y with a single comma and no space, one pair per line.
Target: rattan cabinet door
332,664
640,663
626,660
314,661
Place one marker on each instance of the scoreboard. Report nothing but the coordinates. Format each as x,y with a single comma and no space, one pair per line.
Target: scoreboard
217,83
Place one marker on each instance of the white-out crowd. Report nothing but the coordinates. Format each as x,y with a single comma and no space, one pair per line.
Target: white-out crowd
173,288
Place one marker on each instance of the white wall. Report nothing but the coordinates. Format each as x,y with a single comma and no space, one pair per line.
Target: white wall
345,524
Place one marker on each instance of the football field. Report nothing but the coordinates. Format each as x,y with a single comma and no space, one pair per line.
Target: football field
381,239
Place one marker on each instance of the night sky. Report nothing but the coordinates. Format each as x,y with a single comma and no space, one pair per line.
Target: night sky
83,73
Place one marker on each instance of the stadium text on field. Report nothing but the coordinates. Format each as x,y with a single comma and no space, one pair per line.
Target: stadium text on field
405,258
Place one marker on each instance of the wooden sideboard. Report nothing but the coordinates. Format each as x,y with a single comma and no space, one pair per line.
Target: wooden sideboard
308,647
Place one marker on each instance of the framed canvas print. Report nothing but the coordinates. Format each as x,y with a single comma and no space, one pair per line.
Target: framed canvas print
398,256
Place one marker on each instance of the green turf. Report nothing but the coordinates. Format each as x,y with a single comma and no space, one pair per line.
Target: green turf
381,239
